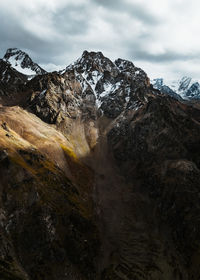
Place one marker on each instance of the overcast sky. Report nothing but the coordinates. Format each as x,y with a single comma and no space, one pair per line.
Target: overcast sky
160,36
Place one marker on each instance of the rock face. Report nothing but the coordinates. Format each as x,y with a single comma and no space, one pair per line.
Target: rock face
102,179
92,84
186,88
11,82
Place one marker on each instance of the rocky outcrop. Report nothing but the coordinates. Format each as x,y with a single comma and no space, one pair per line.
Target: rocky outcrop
11,82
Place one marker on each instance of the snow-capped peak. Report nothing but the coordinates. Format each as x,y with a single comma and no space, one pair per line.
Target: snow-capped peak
93,60
104,79
21,61
185,87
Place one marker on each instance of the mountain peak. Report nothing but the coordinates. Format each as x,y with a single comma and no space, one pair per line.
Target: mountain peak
124,64
92,54
22,62
107,81
185,87
97,60
12,50
15,52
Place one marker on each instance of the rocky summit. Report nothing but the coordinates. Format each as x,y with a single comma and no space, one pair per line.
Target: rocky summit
22,62
100,174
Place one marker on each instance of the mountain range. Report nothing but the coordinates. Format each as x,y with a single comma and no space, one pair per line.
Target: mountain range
100,172
185,88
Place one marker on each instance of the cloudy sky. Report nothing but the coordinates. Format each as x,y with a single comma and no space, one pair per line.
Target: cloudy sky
160,36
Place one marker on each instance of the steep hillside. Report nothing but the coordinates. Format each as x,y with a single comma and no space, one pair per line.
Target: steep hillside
47,214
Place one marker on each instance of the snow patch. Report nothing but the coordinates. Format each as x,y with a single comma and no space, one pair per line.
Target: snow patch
16,64
41,95
181,86
127,98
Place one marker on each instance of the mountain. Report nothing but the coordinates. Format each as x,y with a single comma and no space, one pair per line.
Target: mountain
99,176
21,61
92,84
186,88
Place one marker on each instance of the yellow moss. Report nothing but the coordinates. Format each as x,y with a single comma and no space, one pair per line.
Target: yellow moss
49,165
69,152
16,158
49,176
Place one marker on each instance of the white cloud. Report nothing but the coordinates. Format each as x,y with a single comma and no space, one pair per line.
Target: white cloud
160,36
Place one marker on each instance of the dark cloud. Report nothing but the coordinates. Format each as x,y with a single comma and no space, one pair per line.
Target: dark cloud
168,56
71,20
12,34
66,21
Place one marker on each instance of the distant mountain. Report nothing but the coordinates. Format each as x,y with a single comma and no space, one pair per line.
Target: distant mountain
21,61
184,88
